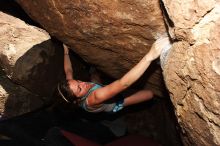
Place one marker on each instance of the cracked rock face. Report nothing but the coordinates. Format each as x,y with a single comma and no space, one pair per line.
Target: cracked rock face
192,69
112,35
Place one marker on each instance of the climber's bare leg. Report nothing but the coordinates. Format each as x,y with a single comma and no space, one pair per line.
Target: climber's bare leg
139,96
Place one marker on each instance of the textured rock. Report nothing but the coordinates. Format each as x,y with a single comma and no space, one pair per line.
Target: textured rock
192,69
112,35
16,100
28,55
185,15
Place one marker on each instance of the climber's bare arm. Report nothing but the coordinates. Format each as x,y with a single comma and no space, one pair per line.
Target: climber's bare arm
67,64
109,91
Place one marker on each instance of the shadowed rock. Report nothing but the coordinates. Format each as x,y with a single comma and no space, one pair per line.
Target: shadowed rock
29,56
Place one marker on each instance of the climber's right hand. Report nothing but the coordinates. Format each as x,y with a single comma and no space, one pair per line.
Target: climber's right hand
157,47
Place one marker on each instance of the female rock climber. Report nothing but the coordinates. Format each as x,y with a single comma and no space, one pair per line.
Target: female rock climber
93,97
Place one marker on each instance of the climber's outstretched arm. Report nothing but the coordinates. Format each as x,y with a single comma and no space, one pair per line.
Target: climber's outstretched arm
109,91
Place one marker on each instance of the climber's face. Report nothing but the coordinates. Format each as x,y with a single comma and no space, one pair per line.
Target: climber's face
79,88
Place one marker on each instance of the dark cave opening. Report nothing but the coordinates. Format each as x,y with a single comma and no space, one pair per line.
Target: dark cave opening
32,127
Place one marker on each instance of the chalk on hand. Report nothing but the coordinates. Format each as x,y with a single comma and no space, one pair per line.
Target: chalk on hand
165,50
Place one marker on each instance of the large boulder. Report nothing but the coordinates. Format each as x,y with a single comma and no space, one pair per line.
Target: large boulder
112,35
192,68
16,100
29,56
